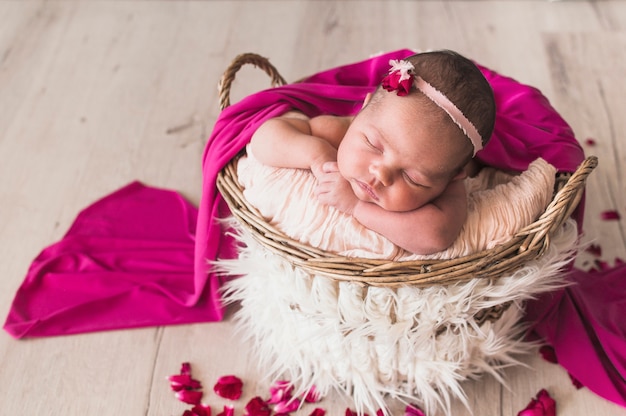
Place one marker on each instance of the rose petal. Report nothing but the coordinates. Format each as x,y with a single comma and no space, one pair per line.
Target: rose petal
287,406
280,391
189,396
548,403
185,369
610,215
318,412
350,412
228,411
313,395
590,141
380,412
184,382
199,410
229,387
543,405
257,407
413,410
548,354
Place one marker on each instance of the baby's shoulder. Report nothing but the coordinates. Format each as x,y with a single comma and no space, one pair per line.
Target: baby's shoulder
332,128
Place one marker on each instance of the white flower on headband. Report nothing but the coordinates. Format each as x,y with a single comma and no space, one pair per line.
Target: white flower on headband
404,67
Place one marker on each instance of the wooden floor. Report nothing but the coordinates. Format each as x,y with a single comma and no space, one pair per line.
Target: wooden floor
96,94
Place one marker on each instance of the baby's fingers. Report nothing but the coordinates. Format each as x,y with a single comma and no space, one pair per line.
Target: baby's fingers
330,167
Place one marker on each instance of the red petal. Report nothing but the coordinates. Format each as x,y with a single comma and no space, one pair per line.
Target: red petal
312,396
350,412
318,412
590,141
189,396
610,215
548,403
543,405
548,354
280,391
594,249
228,387
380,412
257,407
201,410
413,410
287,406
183,382
228,411
185,369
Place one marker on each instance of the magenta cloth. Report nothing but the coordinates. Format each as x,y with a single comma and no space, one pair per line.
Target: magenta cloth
138,257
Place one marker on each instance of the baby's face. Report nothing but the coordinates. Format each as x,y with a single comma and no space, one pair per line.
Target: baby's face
398,160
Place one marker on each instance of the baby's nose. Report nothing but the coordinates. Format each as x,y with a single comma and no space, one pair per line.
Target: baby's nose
382,174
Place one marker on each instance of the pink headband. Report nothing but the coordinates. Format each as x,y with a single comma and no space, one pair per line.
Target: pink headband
402,76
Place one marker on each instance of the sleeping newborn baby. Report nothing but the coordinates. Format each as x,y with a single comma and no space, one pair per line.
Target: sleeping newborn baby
397,167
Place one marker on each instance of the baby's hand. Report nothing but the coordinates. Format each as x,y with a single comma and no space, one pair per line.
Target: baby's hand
332,189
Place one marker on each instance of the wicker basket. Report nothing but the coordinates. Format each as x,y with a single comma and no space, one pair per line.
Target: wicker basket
318,295
528,244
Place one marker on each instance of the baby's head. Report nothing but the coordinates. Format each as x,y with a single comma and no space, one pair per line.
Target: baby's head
405,147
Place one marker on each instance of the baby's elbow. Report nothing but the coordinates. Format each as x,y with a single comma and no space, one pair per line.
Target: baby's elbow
432,242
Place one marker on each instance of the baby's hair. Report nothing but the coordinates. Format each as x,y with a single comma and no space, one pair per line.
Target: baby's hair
460,80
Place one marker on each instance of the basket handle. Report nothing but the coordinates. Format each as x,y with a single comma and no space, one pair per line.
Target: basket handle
246,58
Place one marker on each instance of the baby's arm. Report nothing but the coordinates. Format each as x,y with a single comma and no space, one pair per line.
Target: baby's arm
292,141
426,230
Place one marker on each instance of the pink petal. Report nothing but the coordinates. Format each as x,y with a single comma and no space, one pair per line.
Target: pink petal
594,249
413,410
548,403
548,354
228,411
229,387
350,412
287,406
280,391
313,395
185,369
318,412
543,405
184,382
189,396
257,407
610,215
380,412
200,410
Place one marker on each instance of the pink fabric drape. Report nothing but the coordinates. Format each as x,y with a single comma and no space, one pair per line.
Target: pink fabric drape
138,257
